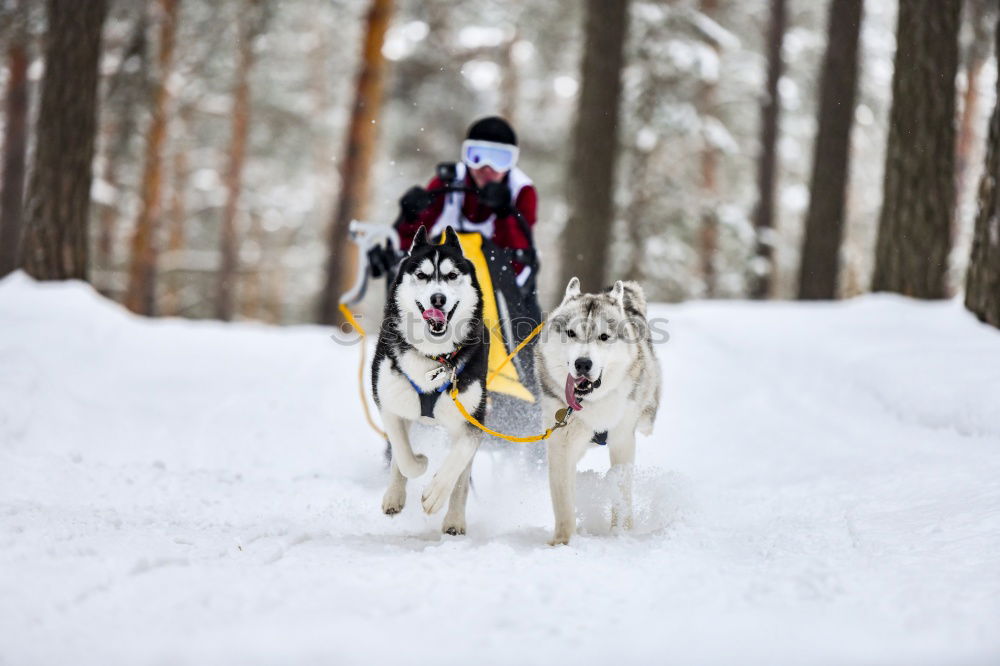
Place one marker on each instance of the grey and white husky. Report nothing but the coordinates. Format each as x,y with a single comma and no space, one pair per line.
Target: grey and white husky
597,358
432,335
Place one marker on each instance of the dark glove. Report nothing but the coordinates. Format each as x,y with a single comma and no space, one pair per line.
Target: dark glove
380,260
497,197
414,202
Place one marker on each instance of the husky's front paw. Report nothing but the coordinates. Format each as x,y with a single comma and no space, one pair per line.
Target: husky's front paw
560,539
436,494
393,500
563,532
454,528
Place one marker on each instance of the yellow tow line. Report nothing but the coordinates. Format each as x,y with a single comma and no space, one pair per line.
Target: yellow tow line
561,416
361,369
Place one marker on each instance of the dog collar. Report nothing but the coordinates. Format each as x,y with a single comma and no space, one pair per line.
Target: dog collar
449,358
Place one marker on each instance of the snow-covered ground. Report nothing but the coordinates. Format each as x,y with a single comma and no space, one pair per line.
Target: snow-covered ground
823,486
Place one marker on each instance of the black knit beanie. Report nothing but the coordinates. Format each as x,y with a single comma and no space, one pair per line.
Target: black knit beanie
493,128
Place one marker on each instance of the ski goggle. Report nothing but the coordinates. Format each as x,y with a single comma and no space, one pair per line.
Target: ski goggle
500,156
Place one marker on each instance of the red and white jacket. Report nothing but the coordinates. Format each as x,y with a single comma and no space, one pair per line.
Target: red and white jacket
464,212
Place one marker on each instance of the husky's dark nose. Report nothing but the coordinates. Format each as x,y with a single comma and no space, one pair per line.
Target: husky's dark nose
437,300
583,365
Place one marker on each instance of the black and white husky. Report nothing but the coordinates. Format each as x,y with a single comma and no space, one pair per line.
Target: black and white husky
432,336
598,359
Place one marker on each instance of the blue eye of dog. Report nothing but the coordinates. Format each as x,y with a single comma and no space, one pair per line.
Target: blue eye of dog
571,333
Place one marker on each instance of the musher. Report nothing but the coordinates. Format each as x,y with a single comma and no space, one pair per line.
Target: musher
486,193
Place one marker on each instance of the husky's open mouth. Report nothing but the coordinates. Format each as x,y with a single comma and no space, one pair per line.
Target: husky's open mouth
578,387
437,320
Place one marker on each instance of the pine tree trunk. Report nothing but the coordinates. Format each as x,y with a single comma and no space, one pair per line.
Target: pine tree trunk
980,13
229,241
126,94
594,152
177,238
708,232
914,235
251,282
15,143
55,245
141,294
763,219
966,133
982,285
359,154
824,228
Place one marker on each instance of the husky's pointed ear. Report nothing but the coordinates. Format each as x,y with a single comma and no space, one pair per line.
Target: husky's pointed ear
618,294
451,238
572,289
420,238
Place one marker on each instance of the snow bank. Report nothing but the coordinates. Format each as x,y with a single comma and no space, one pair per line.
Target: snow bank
821,488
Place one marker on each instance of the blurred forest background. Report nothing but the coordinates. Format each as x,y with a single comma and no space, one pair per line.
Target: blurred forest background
229,140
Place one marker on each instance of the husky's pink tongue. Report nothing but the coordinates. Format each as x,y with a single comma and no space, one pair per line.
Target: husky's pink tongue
571,383
435,315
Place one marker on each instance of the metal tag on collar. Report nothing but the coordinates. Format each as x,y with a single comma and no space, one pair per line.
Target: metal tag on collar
434,373
562,417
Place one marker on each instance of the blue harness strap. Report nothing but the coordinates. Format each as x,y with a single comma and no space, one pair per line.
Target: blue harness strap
429,398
